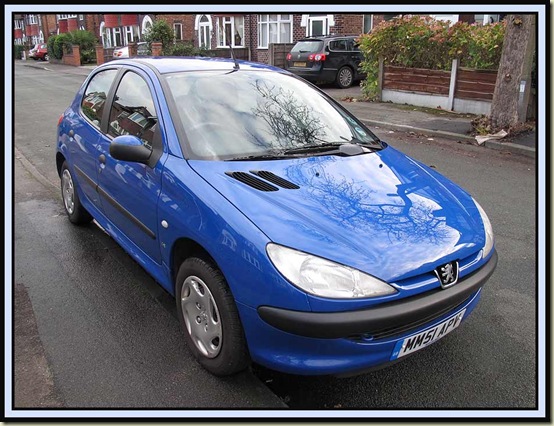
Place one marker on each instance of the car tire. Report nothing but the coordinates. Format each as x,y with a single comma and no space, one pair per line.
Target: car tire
345,77
76,213
46,58
209,318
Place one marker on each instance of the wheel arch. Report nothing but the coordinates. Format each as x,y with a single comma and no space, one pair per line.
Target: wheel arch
60,158
182,249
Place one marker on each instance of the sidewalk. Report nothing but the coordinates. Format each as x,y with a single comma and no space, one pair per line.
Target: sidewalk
424,121
397,117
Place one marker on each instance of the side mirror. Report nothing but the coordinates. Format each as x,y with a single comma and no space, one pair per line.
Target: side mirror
129,148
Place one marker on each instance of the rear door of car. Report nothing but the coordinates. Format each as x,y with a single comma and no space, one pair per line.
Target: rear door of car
338,54
129,191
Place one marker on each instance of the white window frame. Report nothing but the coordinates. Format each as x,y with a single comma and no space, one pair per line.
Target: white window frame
32,19
370,17
130,32
146,23
204,30
450,18
221,33
115,32
324,19
178,35
19,24
264,24
105,35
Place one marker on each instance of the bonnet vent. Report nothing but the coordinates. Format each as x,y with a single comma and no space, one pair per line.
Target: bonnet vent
252,181
273,178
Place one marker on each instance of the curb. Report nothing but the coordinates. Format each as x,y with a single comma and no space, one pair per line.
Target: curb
407,128
511,147
499,146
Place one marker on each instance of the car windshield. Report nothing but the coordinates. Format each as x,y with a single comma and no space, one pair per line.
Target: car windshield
230,115
309,46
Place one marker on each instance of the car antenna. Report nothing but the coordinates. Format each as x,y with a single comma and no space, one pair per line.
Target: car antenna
236,67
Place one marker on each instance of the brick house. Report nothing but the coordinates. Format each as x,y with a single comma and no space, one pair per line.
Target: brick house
251,33
255,31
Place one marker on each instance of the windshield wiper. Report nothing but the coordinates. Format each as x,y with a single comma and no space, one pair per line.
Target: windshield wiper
320,147
271,156
375,144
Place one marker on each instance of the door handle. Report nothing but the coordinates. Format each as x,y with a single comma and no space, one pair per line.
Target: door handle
102,159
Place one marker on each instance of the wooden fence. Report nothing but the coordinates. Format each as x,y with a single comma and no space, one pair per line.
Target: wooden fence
461,89
278,53
475,84
416,80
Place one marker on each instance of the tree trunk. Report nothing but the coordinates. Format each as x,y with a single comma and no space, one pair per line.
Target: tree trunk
516,49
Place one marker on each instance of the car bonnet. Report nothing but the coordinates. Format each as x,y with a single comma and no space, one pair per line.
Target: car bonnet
382,212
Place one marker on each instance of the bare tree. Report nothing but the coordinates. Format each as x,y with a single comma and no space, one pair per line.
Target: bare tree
511,94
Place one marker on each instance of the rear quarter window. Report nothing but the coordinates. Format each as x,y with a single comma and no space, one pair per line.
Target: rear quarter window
338,45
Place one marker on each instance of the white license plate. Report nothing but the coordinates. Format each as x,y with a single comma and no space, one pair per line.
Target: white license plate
425,338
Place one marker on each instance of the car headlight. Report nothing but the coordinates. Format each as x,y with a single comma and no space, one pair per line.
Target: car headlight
489,236
324,278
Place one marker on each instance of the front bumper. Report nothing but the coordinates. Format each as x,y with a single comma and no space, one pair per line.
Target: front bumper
312,343
403,315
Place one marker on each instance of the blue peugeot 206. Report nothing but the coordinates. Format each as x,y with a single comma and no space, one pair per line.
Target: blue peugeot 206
289,234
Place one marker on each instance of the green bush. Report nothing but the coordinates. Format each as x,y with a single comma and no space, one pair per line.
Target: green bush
186,49
160,32
62,43
84,39
18,50
50,44
423,42
88,56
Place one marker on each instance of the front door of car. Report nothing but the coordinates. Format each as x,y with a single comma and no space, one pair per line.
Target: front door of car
129,191
85,133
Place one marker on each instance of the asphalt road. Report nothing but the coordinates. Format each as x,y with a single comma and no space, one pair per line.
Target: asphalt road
111,339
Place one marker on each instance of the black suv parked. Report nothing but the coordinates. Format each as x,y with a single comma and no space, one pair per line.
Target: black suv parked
326,59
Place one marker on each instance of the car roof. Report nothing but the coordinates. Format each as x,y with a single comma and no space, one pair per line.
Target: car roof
179,64
326,37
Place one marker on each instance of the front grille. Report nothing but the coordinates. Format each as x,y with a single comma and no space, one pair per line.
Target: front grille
405,328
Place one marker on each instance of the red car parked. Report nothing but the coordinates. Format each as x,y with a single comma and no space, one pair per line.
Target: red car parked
40,51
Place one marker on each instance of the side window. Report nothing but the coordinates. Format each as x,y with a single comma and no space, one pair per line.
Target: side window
133,110
96,92
353,45
338,45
